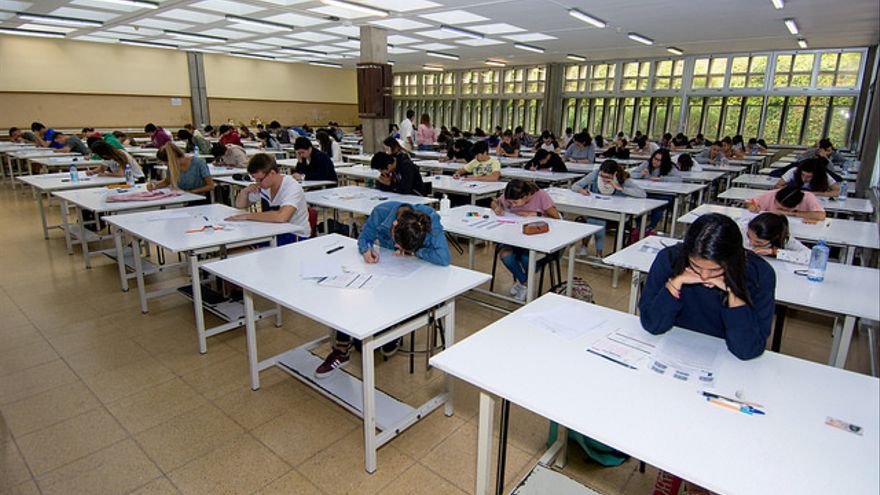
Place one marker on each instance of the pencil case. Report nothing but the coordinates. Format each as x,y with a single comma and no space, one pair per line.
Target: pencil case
533,228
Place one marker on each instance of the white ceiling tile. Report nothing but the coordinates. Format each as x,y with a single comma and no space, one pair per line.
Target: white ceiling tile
400,24
480,42
325,48
13,5
277,41
356,53
311,36
529,37
84,14
296,20
97,4
454,17
253,28
349,44
435,46
403,5
226,7
137,31
246,45
161,24
115,35
95,39
47,27
496,28
344,30
440,34
190,15
286,2
399,39
340,12
397,50
227,33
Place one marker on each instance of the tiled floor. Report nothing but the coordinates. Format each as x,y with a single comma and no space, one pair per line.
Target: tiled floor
97,398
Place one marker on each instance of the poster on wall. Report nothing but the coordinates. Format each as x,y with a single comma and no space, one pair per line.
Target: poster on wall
176,102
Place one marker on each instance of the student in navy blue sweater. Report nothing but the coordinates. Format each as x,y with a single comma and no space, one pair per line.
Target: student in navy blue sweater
711,284
313,164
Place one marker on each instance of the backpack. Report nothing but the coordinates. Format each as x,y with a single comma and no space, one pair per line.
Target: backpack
580,290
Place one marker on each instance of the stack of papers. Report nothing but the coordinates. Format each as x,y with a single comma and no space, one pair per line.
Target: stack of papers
628,350
569,324
687,359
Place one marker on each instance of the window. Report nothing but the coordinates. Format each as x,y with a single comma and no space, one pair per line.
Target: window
712,117
840,120
748,72
643,115
412,84
793,71
661,112
709,73
513,81
535,78
839,70
431,82
611,117
489,82
569,112
635,76
667,74
397,85
674,115
751,120
575,79
583,116
793,121
597,113
773,119
817,112
470,81
694,116
446,80
602,77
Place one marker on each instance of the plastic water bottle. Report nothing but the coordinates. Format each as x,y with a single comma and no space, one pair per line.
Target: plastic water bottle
842,195
129,176
74,173
444,204
818,262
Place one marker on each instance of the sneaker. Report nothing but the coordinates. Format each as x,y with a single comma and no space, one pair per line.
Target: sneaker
521,295
516,288
391,348
336,359
582,251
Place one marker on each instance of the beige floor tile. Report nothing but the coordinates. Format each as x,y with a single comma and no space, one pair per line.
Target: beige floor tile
117,469
419,480
135,376
159,486
239,467
85,337
422,437
347,456
13,469
278,394
69,440
308,428
105,357
15,337
185,437
26,488
185,358
292,482
47,408
155,405
35,380
220,378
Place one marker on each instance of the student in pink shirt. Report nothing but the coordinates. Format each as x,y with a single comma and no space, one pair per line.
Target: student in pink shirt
426,135
525,199
790,200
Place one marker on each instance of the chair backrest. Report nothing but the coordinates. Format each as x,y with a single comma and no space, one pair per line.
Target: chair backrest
313,221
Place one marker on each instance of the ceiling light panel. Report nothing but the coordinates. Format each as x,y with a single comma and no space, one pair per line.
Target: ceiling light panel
160,24
58,21
95,39
84,14
98,4
529,48
344,30
48,27
640,39
296,20
482,42
341,12
226,7
582,16
399,50
400,24
399,39
13,5
496,28
137,31
31,33
328,48
440,34
190,15
311,36
435,46
137,4
403,5
349,44
227,33
527,37
454,17
286,3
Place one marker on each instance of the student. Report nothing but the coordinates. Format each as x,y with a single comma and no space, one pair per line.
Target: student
710,284
278,131
729,151
495,139
109,138
619,150
737,146
524,138
426,135
210,131
581,150
282,198
646,146
507,146
43,134
567,138
754,147
445,138
313,164
548,142
228,135
87,132
461,151
188,173
124,139
483,167
609,180
194,142
698,142
666,141
685,163
407,131
679,141
16,135
68,143
118,160
158,136
192,130
392,146
767,234
791,201
245,134
546,161
329,146
811,175
394,131
657,168
268,141
714,155
397,173
522,198
230,155
410,230
600,142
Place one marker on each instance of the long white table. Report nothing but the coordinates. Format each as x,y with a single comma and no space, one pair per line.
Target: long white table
17,158
306,184
178,231
507,229
856,206
551,178
366,315
680,191
476,190
848,291
666,423
357,200
756,181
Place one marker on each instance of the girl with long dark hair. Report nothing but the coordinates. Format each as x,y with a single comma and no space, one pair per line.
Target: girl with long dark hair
811,175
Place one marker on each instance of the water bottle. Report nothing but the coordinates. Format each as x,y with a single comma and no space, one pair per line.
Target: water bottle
129,176
842,195
444,204
74,173
818,262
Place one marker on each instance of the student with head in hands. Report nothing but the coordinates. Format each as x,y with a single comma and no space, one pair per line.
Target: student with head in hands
313,163
187,173
68,143
811,175
526,199
711,284
685,163
483,167
545,161
397,173
228,135
790,200
193,142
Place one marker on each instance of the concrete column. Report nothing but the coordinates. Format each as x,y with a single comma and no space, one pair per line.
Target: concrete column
198,94
552,112
374,50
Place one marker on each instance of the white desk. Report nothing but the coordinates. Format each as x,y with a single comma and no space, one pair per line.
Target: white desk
367,316
623,162
551,178
562,233
95,200
613,208
438,166
680,192
49,183
357,173
476,190
667,423
756,181
733,169
357,200
306,184
19,157
359,158
168,229
849,291
857,206
429,155
581,168
64,162
704,177
837,231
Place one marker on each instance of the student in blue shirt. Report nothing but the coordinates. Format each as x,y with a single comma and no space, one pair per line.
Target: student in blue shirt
411,230
44,135
711,284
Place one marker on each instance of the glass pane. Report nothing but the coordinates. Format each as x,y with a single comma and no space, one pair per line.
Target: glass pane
571,72
713,118
629,84
664,68
773,119
676,83
800,81
794,119
698,82
658,127
643,69
719,65
841,121
846,81
598,114
675,114
731,116
739,64
661,83
816,119
701,66
825,80
756,81
780,81
630,69
737,81
828,62
716,82
783,63
583,122
850,61
752,118
803,62
758,64
678,67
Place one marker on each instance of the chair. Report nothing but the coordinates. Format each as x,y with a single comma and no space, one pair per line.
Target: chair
541,264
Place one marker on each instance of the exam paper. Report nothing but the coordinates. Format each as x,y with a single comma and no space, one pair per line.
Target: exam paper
352,280
625,349
569,324
390,265
320,268
685,358
169,216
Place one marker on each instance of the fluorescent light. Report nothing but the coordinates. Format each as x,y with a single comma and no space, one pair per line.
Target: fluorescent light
778,4
251,55
641,39
148,44
495,63
529,48
325,64
194,36
448,56
577,58
366,9
54,19
31,32
134,3
802,43
577,14
792,26
675,51
258,22
433,68
391,63
463,32
302,51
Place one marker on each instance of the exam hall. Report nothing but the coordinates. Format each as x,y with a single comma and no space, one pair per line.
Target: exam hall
439,247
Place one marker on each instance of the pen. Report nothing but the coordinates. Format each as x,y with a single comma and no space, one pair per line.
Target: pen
712,395
337,248
611,359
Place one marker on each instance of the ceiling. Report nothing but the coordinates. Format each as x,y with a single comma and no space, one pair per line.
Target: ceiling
711,26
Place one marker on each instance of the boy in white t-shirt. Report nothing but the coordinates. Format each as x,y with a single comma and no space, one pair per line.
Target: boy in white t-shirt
282,197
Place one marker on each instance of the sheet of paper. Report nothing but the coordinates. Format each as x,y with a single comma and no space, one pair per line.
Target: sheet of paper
320,268
344,196
169,216
352,280
390,265
569,324
687,359
631,351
